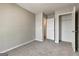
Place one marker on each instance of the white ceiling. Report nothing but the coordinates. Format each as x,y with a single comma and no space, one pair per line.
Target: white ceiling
47,8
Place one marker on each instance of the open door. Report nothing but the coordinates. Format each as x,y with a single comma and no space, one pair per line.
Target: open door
50,28
74,30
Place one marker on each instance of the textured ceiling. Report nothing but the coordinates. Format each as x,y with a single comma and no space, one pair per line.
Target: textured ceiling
47,8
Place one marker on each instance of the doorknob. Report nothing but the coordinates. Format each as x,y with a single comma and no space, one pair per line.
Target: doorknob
74,31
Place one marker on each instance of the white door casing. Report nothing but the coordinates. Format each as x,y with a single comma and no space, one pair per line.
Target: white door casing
57,25
73,26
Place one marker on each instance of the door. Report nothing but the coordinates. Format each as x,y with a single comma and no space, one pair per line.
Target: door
50,28
74,30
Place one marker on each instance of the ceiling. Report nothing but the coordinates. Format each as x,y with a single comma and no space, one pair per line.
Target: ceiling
47,8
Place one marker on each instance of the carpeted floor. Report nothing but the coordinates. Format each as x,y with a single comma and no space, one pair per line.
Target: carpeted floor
46,48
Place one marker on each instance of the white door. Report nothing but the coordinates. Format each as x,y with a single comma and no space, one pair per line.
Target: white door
50,28
73,29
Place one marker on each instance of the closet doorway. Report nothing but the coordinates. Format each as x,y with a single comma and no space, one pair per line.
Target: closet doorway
65,28
50,28
68,28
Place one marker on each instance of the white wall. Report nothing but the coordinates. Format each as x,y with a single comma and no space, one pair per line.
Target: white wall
17,26
39,27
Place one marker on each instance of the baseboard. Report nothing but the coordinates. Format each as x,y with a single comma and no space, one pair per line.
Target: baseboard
50,39
56,41
66,41
39,40
17,46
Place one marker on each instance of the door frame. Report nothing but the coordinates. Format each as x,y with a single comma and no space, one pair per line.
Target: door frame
58,15
53,29
61,28
74,42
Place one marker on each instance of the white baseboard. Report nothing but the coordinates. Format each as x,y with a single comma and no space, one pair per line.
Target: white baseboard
50,39
39,40
56,41
17,46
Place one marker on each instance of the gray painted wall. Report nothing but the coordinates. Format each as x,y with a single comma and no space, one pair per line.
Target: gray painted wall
17,26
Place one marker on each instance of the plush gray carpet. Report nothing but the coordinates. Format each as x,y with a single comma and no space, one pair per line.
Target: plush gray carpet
3,54
46,48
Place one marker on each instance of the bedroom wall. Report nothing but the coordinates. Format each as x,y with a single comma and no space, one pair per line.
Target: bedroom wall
17,26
